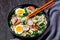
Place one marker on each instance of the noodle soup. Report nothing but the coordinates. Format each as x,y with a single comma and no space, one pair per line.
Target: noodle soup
21,26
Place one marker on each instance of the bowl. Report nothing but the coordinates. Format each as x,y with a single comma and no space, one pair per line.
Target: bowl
23,6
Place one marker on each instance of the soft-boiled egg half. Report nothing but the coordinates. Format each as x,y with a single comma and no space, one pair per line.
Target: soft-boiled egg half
19,29
19,11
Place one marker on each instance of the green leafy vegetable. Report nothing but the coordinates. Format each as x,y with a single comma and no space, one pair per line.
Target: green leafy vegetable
42,24
14,14
25,14
24,22
10,23
43,28
39,14
35,32
28,35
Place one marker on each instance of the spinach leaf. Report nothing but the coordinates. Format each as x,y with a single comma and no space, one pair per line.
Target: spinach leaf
39,14
14,14
28,36
42,24
43,27
25,14
10,23
35,32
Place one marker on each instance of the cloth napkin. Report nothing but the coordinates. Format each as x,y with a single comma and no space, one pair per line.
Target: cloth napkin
54,15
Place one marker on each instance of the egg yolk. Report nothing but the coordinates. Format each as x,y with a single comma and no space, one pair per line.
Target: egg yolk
20,11
19,29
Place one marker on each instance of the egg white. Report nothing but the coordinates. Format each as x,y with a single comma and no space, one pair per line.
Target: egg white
16,11
17,31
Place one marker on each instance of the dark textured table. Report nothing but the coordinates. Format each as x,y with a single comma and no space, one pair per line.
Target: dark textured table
5,7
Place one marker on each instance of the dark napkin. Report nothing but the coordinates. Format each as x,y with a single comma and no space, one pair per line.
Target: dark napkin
54,15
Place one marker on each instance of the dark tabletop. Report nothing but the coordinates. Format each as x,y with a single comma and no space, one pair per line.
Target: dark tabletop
5,7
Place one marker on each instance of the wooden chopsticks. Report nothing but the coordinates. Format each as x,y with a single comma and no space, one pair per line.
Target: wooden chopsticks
50,3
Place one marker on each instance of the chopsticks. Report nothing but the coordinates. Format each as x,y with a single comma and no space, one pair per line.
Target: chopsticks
50,3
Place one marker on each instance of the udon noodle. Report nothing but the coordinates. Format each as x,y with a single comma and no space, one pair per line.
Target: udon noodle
24,27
